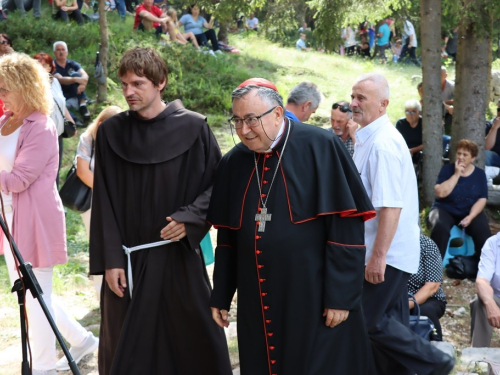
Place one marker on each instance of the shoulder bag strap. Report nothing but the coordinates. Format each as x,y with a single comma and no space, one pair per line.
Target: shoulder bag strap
59,108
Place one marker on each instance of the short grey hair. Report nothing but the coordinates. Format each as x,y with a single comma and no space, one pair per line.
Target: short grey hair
413,104
60,42
268,95
303,92
379,80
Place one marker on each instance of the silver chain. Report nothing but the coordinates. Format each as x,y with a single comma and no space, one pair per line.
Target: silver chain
275,172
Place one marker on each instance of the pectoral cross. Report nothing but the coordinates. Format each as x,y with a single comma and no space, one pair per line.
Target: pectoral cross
262,218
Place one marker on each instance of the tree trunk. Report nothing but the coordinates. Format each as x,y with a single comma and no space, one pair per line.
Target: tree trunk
223,32
473,67
102,88
431,116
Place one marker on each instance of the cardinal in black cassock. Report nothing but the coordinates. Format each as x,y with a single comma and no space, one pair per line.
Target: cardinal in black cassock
290,208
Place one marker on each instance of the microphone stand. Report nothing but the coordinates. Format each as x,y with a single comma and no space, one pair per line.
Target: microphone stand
31,284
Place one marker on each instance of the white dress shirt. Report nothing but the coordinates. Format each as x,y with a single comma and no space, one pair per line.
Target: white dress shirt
386,169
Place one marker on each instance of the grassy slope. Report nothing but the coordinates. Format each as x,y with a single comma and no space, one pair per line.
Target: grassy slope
284,66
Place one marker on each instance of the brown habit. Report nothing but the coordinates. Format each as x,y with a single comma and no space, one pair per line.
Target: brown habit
145,171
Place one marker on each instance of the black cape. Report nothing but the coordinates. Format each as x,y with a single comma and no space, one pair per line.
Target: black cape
310,257
145,171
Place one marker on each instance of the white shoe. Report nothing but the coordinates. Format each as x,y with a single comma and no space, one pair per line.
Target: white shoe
78,352
218,52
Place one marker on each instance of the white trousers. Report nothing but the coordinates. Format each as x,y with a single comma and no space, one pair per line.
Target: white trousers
96,279
42,339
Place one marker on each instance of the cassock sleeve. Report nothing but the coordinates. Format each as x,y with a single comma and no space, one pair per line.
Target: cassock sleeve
105,247
344,263
194,215
225,271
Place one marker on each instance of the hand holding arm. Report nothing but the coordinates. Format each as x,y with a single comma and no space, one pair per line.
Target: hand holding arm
173,231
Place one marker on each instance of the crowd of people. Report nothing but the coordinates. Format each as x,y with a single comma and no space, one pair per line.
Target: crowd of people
349,266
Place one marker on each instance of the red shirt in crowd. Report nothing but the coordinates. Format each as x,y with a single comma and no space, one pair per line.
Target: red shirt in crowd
155,11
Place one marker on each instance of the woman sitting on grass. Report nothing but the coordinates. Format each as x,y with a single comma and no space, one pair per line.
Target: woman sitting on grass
181,38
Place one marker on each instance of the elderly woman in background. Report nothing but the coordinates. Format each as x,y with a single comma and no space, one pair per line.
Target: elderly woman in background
461,194
410,128
33,209
425,285
59,110
85,162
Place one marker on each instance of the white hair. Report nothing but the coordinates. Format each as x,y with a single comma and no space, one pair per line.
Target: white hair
413,104
60,42
379,80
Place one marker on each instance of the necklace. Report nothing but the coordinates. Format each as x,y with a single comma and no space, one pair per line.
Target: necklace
263,217
13,123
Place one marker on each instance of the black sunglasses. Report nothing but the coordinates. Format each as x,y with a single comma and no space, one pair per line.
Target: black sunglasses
343,108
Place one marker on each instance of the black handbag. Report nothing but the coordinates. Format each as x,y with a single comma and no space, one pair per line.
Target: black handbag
74,194
421,325
69,127
461,267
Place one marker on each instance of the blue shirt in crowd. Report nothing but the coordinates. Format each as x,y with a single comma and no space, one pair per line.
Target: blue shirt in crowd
386,31
196,27
70,68
465,194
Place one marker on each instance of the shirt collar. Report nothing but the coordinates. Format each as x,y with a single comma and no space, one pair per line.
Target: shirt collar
278,137
362,134
291,116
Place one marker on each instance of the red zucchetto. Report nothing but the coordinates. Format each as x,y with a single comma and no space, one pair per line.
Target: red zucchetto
259,82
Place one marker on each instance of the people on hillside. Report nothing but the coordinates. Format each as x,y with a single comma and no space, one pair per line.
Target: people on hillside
156,160
194,22
396,50
410,42
451,43
33,210
291,248
461,193
485,306
349,37
492,142
66,9
302,101
343,125
252,22
425,285
149,17
447,93
301,43
73,79
182,38
59,110
383,34
363,48
304,28
392,239
410,128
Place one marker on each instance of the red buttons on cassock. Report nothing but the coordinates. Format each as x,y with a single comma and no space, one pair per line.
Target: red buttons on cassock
264,182
268,156
260,266
270,334
263,195
259,252
257,222
273,361
266,307
258,237
266,168
263,294
262,280
259,209
271,348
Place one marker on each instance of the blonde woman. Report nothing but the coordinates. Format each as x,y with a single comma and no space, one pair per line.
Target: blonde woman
29,159
181,38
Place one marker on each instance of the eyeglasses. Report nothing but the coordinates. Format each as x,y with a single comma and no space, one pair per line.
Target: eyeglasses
343,108
251,122
410,112
3,42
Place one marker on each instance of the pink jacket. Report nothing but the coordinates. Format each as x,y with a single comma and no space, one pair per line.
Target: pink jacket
38,226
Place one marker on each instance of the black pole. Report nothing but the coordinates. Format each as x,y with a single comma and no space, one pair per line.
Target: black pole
31,284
